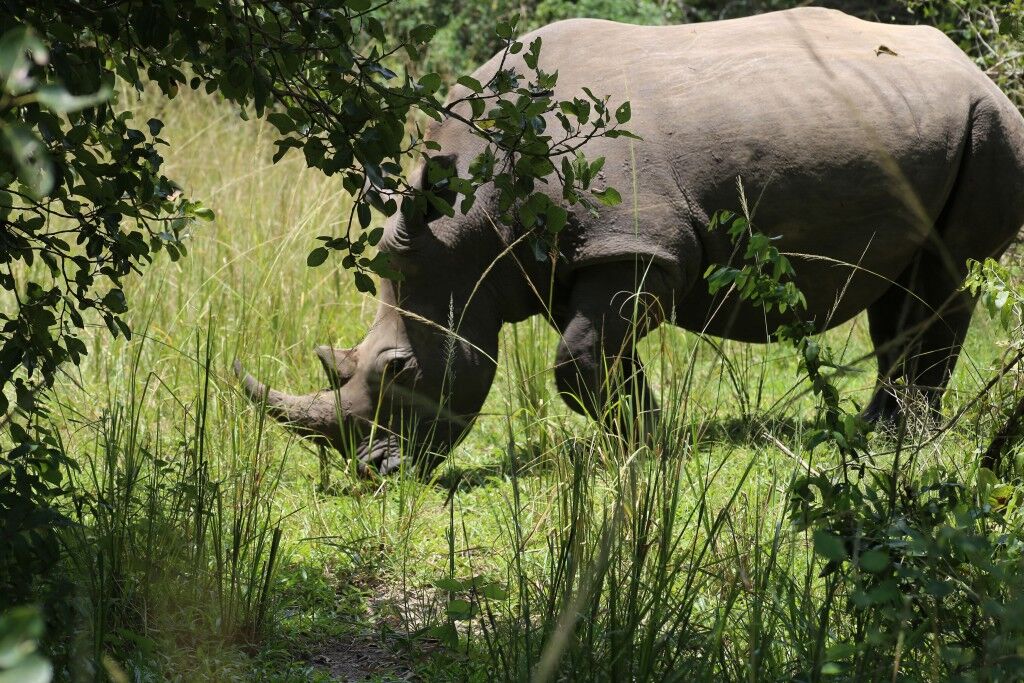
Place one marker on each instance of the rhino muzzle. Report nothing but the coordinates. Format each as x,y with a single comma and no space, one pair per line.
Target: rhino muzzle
321,417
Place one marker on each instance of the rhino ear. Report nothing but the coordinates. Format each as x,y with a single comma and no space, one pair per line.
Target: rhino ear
434,196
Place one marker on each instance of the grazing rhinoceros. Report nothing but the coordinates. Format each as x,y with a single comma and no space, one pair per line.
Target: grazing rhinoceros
880,155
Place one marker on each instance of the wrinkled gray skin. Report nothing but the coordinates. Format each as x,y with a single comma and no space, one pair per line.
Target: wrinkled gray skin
886,172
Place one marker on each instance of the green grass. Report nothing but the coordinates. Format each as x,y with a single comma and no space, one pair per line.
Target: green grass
555,542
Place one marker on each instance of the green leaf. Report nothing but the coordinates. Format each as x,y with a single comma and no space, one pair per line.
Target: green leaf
203,213
423,33
608,196
477,105
19,626
829,546
430,83
449,584
493,591
459,609
530,58
317,257
885,592
283,122
622,134
283,146
555,219
986,479
471,83
35,170
57,99
363,214
115,301
446,633
364,283
622,114
841,651
874,561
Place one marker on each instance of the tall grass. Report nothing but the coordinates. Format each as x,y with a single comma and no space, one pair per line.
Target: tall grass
179,527
176,535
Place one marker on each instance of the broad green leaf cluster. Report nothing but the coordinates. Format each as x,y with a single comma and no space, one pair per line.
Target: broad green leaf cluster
82,203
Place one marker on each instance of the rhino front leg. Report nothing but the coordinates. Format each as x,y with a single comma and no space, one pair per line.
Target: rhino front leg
597,370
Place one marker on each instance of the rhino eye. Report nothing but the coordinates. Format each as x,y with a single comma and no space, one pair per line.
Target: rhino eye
393,363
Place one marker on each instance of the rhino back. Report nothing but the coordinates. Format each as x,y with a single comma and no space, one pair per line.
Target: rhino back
847,135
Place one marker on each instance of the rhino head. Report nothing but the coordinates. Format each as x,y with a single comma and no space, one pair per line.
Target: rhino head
413,386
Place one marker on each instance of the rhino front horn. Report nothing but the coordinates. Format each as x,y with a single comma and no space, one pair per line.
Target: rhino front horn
313,415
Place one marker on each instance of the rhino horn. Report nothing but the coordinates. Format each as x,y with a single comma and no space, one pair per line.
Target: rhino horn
313,415
339,364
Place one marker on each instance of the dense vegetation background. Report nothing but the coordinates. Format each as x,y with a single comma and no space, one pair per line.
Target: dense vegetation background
154,527
465,37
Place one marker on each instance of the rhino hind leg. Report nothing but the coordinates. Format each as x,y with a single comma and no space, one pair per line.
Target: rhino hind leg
597,369
919,325
918,328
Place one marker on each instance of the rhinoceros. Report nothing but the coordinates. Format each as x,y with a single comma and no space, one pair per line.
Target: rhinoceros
880,157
